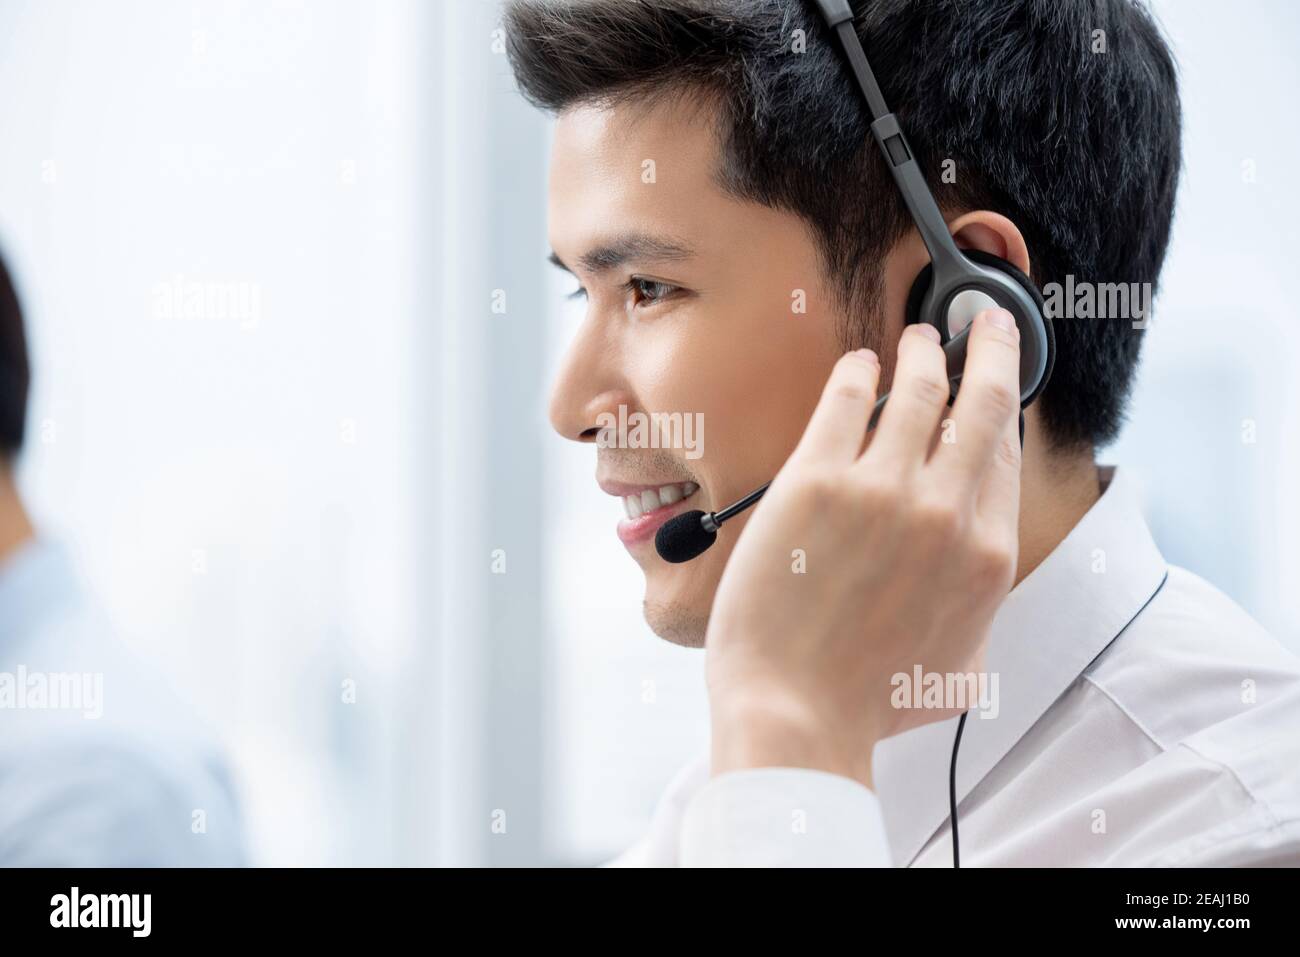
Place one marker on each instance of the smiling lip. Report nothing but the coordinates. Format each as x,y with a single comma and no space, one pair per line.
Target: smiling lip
642,523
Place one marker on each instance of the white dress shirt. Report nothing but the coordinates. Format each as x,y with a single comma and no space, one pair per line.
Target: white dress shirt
1143,719
125,777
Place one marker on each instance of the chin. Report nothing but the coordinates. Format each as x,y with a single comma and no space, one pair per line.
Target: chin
678,598
680,624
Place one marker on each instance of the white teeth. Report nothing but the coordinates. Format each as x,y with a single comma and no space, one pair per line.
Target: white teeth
639,503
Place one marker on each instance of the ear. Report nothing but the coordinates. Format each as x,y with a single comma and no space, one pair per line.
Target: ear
992,233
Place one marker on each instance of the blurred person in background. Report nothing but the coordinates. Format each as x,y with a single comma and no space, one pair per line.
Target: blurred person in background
100,765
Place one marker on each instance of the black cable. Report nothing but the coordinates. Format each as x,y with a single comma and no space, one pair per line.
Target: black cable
952,790
961,725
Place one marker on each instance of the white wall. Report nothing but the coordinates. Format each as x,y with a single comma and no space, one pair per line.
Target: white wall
1213,424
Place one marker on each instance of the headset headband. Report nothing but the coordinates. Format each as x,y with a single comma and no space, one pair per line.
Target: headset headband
957,285
893,144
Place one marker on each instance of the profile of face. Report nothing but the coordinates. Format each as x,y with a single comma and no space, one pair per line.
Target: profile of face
706,307
697,303
701,308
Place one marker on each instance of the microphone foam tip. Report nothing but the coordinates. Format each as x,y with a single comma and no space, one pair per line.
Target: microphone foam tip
683,537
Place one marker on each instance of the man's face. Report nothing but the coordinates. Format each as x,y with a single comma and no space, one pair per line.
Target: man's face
696,303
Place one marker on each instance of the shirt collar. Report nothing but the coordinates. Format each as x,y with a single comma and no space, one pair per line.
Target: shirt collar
1050,628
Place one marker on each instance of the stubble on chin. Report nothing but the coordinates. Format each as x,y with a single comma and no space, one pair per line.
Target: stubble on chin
676,623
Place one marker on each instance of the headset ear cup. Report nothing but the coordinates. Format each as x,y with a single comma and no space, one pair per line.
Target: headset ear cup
922,283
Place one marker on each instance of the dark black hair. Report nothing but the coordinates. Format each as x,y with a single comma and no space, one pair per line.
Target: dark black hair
1080,149
15,373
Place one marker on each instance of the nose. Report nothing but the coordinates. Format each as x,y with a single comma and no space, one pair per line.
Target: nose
590,385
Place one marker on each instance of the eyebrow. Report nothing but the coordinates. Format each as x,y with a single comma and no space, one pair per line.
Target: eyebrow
638,247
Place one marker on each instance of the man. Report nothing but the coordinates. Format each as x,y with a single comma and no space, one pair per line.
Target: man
99,764
716,194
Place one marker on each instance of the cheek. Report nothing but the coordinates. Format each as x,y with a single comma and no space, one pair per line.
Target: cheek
762,387
754,374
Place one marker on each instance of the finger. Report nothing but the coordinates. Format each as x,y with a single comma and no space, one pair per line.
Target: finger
917,399
835,431
989,399
998,501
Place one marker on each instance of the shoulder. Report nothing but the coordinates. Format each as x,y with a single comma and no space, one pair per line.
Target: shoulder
1194,658
101,763
74,800
1219,698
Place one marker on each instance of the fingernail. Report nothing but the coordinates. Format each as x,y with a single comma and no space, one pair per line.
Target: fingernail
1001,319
927,330
869,356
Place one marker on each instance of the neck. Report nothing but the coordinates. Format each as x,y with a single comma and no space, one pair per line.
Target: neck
1056,491
15,527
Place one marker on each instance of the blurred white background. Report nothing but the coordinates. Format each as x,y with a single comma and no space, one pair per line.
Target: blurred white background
311,490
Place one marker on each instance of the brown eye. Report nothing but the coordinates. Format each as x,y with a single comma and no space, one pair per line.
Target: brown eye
649,291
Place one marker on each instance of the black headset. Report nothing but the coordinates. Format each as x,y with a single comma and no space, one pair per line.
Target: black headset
950,291
957,284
